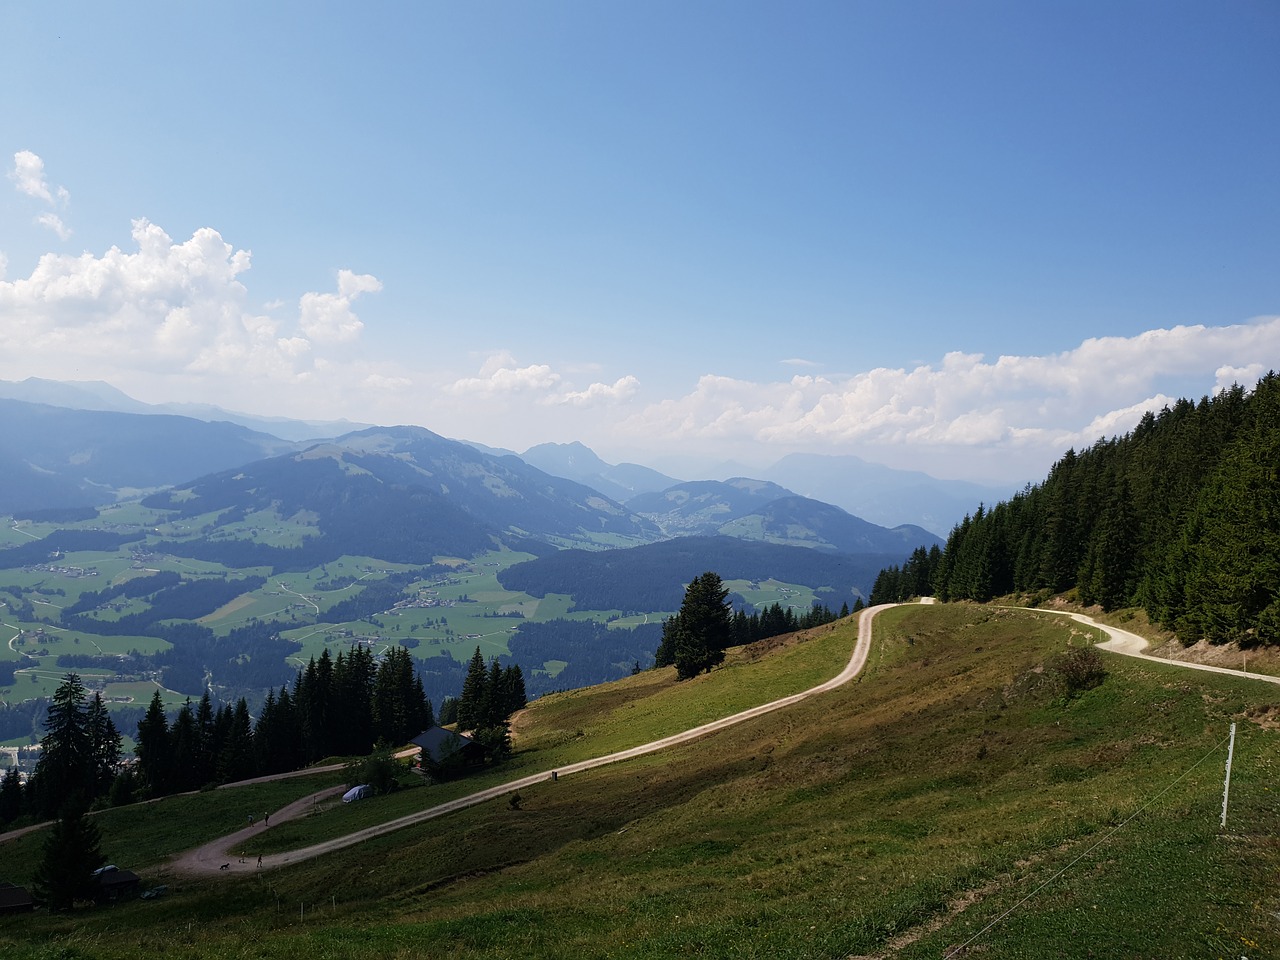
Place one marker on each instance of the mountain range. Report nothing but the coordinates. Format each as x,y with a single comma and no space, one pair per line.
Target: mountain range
87,443
271,544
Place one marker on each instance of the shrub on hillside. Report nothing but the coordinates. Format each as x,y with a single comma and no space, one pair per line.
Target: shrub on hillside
1080,669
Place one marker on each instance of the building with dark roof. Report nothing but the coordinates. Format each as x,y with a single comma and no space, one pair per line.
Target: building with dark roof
439,747
15,899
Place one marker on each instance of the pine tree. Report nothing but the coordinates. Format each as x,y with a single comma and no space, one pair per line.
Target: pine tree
355,678
184,748
10,796
471,703
104,746
696,637
205,752
66,768
154,762
235,761
72,852
424,714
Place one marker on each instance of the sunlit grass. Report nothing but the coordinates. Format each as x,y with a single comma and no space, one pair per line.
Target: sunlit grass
897,815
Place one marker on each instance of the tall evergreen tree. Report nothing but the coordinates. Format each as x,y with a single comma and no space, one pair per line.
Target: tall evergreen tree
471,703
695,638
72,852
10,796
155,766
235,761
184,749
67,766
205,751
105,745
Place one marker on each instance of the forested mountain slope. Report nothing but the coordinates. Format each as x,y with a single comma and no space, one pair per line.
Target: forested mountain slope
653,577
56,457
1180,517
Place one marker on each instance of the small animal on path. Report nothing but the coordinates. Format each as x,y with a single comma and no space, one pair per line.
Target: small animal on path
225,866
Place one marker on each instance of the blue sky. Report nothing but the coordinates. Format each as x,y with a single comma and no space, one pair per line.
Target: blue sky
957,237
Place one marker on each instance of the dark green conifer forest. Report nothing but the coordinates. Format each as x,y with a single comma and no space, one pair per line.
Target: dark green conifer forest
1180,517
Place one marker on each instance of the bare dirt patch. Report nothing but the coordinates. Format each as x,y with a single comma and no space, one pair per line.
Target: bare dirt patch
1230,655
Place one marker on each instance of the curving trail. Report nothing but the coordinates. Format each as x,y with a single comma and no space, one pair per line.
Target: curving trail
1130,644
213,858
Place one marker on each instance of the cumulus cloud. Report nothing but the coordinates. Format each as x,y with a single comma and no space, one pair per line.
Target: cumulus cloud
28,176
622,389
966,402
328,317
29,179
501,377
54,223
169,309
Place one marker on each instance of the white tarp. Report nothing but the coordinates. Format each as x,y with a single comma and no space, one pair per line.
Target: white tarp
357,793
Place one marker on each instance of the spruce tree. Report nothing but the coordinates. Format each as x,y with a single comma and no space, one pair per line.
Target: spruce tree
10,796
695,638
67,765
154,760
471,703
104,746
72,852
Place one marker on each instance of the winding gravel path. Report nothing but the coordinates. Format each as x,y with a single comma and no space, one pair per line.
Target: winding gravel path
1131,645
213,857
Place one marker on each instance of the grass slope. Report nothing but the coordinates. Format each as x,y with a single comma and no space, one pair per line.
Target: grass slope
897,816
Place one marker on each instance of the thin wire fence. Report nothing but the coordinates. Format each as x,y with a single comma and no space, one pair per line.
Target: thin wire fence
959,948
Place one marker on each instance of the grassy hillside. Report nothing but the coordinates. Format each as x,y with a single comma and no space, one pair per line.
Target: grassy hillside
897,816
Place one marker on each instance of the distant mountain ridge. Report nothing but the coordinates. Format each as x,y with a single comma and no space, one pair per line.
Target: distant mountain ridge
575,461
102,396
406,494
58,457
881,494
46,473
801,521
702,507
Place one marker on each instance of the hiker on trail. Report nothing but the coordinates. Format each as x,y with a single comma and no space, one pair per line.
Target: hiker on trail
266,819
259,861
251,819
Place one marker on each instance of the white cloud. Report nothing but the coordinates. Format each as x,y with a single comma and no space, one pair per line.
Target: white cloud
502,378
1227,376
622,389
1031,408
328,317
28,177
54,223
175,311
499,377
387,384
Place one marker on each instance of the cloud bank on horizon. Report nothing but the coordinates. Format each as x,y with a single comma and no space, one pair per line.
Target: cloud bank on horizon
168,320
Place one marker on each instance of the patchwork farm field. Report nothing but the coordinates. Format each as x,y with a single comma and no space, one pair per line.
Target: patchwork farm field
130,616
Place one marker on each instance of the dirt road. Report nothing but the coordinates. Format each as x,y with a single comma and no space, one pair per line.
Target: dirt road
213,858
1131,645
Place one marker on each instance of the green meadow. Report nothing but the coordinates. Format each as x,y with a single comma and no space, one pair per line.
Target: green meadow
956,795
